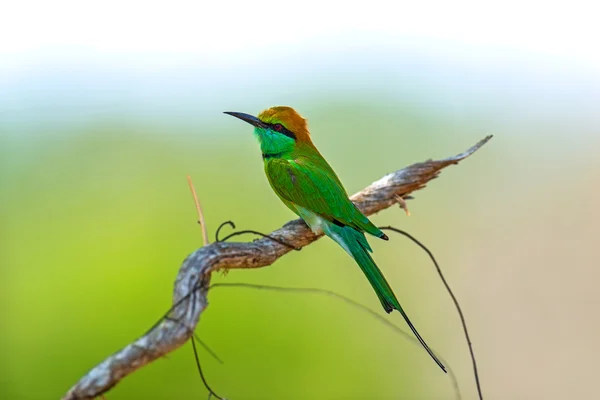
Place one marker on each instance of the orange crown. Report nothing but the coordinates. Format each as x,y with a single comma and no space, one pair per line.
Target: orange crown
289,118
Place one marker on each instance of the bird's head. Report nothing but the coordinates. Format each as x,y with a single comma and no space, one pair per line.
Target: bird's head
278,129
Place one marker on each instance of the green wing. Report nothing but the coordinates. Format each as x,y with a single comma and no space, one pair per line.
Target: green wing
312,184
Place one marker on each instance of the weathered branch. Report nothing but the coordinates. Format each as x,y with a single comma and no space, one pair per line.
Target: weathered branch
194,275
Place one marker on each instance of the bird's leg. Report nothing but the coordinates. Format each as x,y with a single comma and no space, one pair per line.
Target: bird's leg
402,204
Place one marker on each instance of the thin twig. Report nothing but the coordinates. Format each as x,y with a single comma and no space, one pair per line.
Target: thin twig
210,391
350,302
456,305
195,272
403,205
206,242
201,220
248,231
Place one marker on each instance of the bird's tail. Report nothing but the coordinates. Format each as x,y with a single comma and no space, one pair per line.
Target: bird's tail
355,243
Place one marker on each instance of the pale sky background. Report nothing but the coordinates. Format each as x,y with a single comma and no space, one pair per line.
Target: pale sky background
30,30
185,61
181,62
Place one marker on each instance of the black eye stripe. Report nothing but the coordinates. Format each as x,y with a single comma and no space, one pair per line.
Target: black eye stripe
283,131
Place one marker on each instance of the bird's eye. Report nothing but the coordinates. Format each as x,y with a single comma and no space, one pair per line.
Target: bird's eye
278,127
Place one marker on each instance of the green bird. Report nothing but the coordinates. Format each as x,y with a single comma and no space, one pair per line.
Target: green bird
308,186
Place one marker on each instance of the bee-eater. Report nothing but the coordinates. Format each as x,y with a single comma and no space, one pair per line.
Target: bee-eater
307,185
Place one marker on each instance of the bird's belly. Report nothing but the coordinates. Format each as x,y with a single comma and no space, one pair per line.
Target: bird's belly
320,225
314,222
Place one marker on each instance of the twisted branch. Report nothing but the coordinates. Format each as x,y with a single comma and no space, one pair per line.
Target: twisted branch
193,279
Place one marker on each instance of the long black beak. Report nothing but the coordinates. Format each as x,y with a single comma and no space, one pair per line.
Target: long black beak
252,120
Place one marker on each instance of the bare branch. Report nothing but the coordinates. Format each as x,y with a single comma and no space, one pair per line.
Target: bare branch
194,275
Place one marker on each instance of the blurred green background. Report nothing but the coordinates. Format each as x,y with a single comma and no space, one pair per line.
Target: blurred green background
97,137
